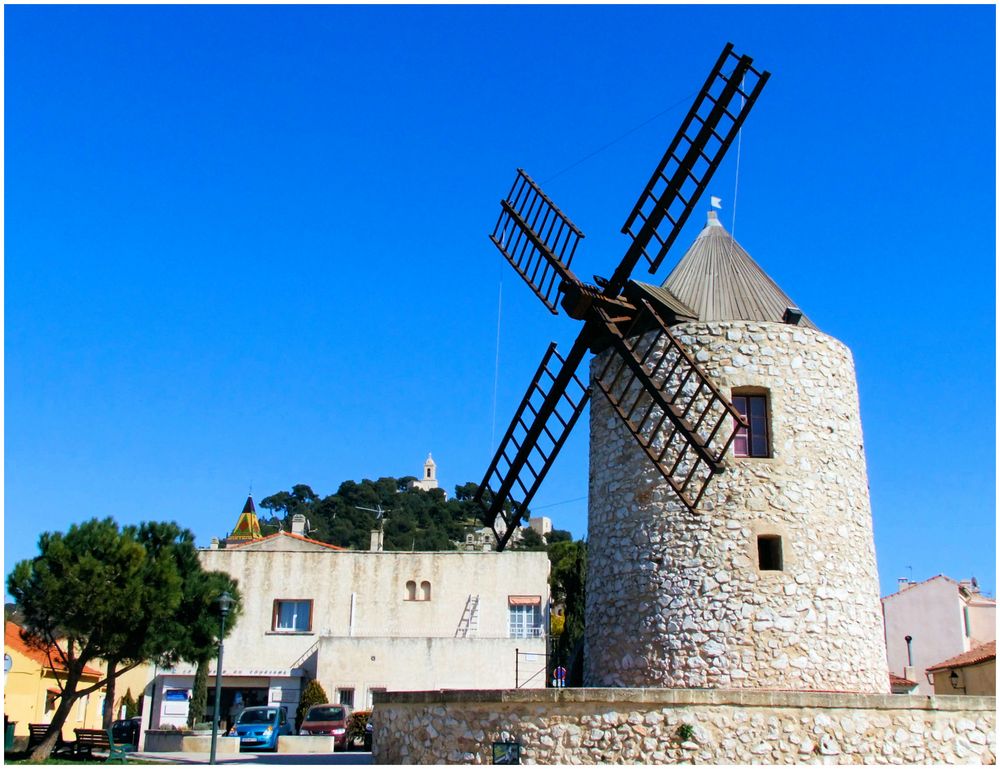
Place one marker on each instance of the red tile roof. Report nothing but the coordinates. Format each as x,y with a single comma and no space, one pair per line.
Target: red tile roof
895,680
12,639
987,651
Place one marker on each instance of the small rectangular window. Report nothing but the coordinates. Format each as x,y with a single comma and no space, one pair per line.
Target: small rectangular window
769,553
292,616
346,697
752,441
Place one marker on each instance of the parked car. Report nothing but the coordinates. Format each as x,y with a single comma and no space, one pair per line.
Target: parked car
259,727
126,731
328,718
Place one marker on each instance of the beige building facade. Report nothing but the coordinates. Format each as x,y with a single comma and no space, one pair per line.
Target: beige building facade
941,617
366,621
972,673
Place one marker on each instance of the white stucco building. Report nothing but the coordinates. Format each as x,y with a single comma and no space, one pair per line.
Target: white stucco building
941,618
364,621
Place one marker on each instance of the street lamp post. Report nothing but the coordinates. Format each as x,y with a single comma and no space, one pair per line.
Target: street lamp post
225,602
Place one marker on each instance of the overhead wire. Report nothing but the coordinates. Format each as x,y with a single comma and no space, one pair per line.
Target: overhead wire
496,372
680,102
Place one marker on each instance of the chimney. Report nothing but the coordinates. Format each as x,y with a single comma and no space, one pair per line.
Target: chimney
214,544
903,583
376,546
299,524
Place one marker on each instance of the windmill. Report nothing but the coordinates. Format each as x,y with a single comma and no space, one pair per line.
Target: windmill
676,413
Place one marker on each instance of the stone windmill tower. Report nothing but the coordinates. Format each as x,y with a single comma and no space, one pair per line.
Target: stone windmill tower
730,530
772,583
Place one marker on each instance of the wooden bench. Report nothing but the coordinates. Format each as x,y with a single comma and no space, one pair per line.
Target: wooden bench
87,740
36,734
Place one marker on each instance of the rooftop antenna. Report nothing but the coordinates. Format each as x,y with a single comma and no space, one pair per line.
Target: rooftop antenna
678,415
380,513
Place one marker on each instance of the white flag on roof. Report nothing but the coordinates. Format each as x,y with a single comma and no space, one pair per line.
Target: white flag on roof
716,202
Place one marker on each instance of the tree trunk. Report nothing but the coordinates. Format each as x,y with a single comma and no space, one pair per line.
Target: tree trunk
44,748
109,698
199,693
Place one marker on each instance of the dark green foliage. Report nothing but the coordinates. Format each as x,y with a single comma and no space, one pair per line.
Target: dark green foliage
558,535
313,694
356,724
199,693
466,491
415,519
568,580
127,596
530,540
685,732
131,708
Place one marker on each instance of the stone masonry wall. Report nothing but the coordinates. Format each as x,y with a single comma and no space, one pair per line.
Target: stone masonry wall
658,726
676,599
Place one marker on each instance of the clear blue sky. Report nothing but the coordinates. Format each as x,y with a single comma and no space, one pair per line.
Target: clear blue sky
248,244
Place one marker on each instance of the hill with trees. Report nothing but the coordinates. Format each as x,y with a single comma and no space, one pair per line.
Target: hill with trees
415,519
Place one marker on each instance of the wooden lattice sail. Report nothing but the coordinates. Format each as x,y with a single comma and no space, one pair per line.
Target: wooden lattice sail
680,418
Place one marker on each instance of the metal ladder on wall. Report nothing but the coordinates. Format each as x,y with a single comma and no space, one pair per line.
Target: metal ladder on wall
469,624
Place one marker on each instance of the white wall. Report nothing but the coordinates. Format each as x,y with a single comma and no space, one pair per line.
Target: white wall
360,610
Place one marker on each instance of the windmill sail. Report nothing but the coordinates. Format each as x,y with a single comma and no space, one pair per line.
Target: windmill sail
687,166
540,426
537,239
679,417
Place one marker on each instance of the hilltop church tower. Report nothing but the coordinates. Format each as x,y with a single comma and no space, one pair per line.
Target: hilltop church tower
771,583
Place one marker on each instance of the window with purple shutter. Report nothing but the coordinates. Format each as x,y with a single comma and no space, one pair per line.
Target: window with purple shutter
752,441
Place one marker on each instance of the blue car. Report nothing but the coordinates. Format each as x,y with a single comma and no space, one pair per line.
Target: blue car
259,728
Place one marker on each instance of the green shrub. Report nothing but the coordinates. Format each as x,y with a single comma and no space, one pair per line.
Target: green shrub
685,732
356,724
313,694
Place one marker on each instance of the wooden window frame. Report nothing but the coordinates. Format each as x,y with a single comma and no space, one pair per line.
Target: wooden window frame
274,614
748,434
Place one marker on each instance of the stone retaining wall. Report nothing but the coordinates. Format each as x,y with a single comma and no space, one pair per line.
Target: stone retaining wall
615,726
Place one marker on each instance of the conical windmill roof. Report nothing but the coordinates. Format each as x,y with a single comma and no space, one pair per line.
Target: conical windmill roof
719,280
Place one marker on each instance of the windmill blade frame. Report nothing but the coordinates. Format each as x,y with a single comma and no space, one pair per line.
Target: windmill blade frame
667,402
689,163
537,239
552,404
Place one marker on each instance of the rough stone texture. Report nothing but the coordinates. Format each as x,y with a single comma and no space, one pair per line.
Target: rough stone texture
675,598
618,726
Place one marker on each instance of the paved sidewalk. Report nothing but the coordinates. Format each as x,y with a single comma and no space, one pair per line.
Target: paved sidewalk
292,759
